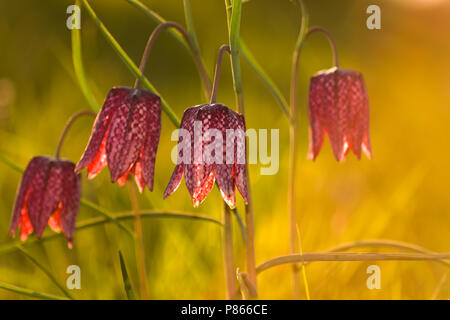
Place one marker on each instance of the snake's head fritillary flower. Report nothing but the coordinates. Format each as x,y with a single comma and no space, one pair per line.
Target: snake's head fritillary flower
125,137
49,193
339,107
213,149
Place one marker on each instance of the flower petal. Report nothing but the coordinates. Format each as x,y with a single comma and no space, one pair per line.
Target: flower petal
316,116
146,167
175,180
127,134
201,193
51,197
70,199
94,152
24,188
240,169
36,194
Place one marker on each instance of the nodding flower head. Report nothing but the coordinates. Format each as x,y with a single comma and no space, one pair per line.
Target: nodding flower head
49,193
339,107
125,137
211,147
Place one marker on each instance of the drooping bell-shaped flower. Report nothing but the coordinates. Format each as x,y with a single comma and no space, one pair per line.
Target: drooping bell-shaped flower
125,137
49,193
211,147
339,107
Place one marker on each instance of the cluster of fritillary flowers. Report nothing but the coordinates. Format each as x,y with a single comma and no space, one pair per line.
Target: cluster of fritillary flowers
126,134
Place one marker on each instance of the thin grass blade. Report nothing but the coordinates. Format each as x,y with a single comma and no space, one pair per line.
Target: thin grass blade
126,280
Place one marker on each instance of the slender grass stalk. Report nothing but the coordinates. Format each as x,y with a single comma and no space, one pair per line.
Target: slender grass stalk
107,215
139,242
305,279
130,64
349,256
45,270
126,279
228,252
79,68
234,22
11,164
68,125
29,292
293,139
224,48
240,224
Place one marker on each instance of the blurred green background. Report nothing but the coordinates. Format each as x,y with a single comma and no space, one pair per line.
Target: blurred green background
401,194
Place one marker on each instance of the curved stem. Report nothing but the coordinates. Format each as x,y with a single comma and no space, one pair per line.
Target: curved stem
293,139
330,40
69,124
224,48
350,256
151,40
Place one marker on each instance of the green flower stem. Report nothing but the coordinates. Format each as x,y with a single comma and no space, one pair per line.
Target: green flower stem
234,22
293,138
107,215
224,48
154,35
130,64
68,125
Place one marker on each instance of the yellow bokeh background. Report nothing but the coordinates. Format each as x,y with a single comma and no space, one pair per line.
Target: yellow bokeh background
401,194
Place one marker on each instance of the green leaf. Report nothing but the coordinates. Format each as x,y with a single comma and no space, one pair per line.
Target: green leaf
79,69
190,26
126,280
235,25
